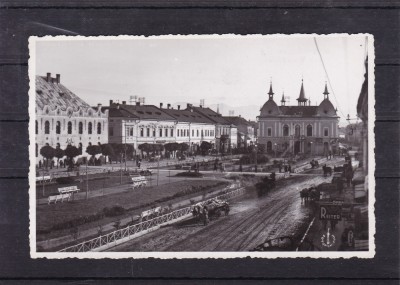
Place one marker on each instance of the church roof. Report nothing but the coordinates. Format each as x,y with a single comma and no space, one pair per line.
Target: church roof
302,111
302,96
53,94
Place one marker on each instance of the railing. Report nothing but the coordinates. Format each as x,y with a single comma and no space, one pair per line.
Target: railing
125,234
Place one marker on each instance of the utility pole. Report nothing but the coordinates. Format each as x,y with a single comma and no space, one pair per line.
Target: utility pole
120,170
87,181
158,169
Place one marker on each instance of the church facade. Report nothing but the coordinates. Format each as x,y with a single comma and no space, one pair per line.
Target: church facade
301,129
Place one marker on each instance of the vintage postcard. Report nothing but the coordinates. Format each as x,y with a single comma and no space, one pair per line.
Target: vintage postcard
202,146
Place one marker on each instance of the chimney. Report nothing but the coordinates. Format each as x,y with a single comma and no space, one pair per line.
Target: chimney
168,106
179,107
111,102
137,103
48,77
161,105
99,106
189,106
58,77
123,102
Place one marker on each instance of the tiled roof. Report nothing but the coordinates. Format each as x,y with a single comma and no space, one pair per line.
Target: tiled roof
188,116
236,120
303,111
147,112
113,112
56,95
212,115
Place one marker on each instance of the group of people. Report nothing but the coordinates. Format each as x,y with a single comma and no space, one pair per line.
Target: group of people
287,168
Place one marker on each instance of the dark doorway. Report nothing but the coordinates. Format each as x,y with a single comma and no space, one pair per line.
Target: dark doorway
296,147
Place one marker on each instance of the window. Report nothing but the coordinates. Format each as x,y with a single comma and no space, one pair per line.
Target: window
37,148
148,132
177,132
90,127
58,127
326,133
111,131
80,127
154,132
297,131
269,132
192,133
47,127
131,132
160,132
98,128
285,130
166,132
37,128
197,133
202,133
309,131
69,127
172,132
141,132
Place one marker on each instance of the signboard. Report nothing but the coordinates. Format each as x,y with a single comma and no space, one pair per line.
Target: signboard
330,212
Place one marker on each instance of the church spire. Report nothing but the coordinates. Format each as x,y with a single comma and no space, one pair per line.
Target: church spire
283,101
271,93
326,93
302,97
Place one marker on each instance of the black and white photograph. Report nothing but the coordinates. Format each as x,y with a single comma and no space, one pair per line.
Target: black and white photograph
202,146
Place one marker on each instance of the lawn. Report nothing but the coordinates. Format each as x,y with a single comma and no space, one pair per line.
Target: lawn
49,216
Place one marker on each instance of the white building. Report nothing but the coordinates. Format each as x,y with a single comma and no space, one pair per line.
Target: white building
62,118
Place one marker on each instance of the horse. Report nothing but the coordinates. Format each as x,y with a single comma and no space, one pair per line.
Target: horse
314,164
327,170
304,194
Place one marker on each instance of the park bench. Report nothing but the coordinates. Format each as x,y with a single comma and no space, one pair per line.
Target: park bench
60,197
69,189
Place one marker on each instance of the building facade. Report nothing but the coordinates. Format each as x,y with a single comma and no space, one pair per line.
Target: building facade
62,118
301,129
245,131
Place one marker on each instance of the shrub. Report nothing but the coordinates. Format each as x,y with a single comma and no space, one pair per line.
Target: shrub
65,180
113,211
189,174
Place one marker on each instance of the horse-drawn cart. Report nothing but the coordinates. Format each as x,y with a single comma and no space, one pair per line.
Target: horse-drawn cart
211,208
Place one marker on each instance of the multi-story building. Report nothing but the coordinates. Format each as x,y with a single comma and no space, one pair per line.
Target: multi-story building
192,127
137,124
245,130
62,118
298,129
225,132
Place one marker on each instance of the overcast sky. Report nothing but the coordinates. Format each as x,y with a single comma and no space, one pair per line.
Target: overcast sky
231,71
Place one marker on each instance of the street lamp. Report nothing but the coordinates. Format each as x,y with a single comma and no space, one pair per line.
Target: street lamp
276,146
311,150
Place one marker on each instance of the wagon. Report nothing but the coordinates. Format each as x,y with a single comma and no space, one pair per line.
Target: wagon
211,208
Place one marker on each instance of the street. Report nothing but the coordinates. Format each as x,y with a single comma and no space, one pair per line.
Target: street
251,221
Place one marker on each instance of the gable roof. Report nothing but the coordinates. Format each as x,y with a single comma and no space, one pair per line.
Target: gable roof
188,116
236,120
212,115
55,95
147,112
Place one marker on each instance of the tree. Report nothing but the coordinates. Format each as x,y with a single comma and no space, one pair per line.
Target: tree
205,147
48,153
108,151
93,150
183,147
58,153
71,152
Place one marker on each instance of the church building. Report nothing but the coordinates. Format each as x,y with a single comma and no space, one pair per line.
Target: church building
301,129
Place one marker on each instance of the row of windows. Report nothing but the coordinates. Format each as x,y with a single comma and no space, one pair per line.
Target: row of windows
309,131
69,128
198,133
152,132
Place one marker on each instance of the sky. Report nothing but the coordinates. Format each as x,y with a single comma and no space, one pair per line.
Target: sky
234,72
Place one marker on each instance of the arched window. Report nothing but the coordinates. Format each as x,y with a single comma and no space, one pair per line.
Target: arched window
98,128
80,128
285,130
58,127
90,127
47,127
309,131
69,128
37,149
297,131
37,127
